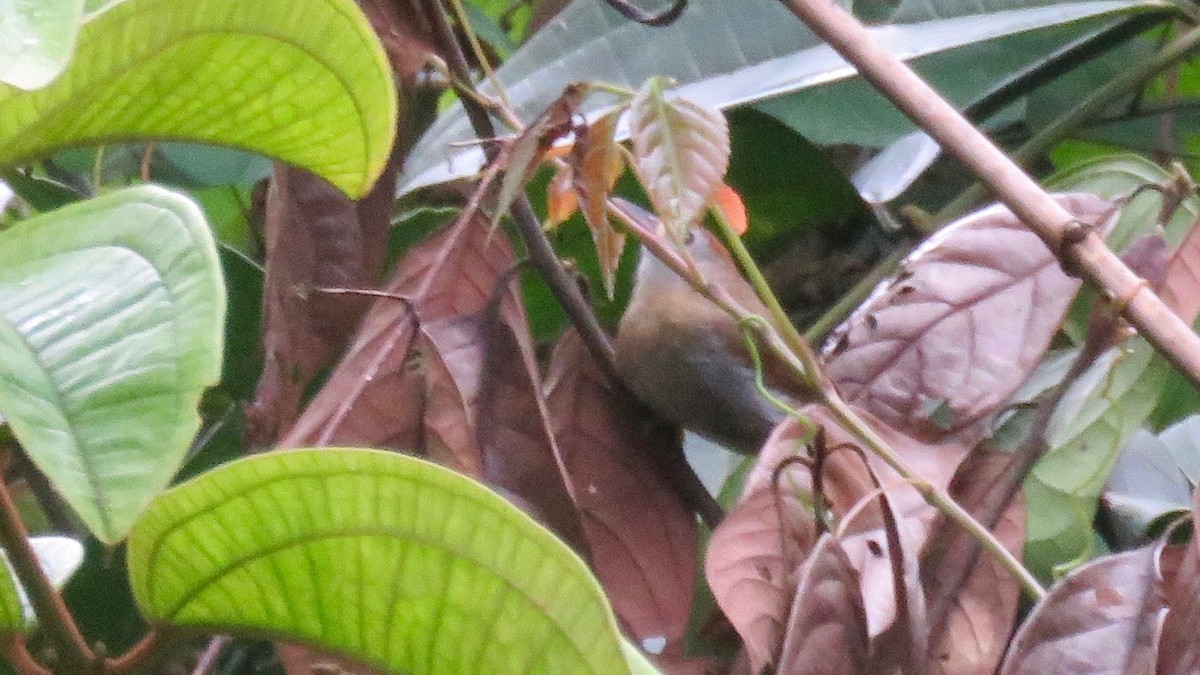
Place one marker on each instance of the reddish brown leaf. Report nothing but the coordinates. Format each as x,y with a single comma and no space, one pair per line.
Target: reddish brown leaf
315,240
755,552
598,164
972,599
642,536
513,425
404,35
939,348
1101,618
446,367
1182,289
375,395
827,630
452,354
750,565
1179,650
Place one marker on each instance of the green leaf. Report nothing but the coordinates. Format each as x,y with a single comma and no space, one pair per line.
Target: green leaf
1119,176
305,81
42,194
37,38
386,558
726,54
111,313
12,612
1099,413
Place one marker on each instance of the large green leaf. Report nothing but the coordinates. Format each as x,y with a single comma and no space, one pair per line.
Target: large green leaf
301,80
37,38
1098,414
111,314
384,557
731,53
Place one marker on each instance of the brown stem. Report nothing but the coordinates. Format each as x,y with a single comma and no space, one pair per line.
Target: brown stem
143,657
17,654
54,618
1172,337
541,254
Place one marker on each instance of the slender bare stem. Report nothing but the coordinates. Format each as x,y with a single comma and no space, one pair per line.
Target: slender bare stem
17,653
54,618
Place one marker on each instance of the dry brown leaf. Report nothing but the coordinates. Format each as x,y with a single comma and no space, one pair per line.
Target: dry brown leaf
1179,650
826,631
642,536
598,163
446,367
750,566
938,349
755,552
452,355
513,429
1182,289
1101,618
375,395
316,239
972,598
520,156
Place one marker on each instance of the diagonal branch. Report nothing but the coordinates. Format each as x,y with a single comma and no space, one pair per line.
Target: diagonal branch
1079,247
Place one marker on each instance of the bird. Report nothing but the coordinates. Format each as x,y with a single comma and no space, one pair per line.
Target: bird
685,358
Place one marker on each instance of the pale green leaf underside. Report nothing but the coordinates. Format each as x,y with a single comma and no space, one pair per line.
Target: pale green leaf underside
726,54
386,558
36,39
1098,414
111,315
301,80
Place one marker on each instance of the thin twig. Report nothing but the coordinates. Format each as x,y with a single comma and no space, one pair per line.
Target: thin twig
16,652
145,656
210,657
71,651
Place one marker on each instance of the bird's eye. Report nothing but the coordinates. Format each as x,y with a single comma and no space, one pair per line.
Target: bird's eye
689,238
